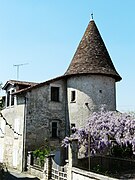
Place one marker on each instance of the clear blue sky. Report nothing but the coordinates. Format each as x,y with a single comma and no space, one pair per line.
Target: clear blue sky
46,33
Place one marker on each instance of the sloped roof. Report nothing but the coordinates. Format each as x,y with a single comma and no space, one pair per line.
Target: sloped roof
91,56
21,83
40,85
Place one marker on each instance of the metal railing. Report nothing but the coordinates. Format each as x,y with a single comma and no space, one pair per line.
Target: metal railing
59,172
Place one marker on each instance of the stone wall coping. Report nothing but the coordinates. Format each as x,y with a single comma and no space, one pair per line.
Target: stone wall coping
91,174
50,155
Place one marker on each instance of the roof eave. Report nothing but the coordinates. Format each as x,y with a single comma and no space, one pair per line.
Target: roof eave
116,77
40,85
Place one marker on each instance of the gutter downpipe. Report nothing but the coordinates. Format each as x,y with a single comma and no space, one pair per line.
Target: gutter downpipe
24,160
67,124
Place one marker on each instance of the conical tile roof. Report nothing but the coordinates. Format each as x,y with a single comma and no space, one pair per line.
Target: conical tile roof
91,56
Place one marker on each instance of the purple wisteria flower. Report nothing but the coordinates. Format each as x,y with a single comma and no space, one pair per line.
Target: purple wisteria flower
104,130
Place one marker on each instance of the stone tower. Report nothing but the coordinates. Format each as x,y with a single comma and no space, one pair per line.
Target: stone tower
91,78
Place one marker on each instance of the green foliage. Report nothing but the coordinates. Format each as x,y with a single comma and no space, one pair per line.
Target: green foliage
122,151
41,153
97,168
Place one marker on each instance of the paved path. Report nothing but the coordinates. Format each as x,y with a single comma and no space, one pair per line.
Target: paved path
20,176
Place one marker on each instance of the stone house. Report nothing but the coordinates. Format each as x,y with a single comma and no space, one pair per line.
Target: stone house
35,113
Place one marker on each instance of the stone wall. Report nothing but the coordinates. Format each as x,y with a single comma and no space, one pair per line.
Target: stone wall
86,175
11,143
92,91
41,112
37,172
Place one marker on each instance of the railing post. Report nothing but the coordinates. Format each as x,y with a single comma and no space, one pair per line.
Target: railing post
72,156
74,152
29,159
49,166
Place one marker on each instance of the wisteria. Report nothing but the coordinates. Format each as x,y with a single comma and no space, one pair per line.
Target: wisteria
104,130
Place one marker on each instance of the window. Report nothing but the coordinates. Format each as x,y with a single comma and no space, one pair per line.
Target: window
8,98
73,96
54,93
54,129
12,98
100,91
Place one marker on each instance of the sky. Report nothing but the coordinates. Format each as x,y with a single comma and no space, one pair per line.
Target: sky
43,35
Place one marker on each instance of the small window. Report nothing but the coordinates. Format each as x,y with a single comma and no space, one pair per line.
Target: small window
54,93
73,128
12,98
54,129
100,91
8,98
72,125
73,97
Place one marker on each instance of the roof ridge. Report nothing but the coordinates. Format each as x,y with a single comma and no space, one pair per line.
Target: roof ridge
19,83
11,80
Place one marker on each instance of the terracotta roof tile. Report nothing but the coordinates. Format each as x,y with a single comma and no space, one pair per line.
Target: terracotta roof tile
22,83
91,56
